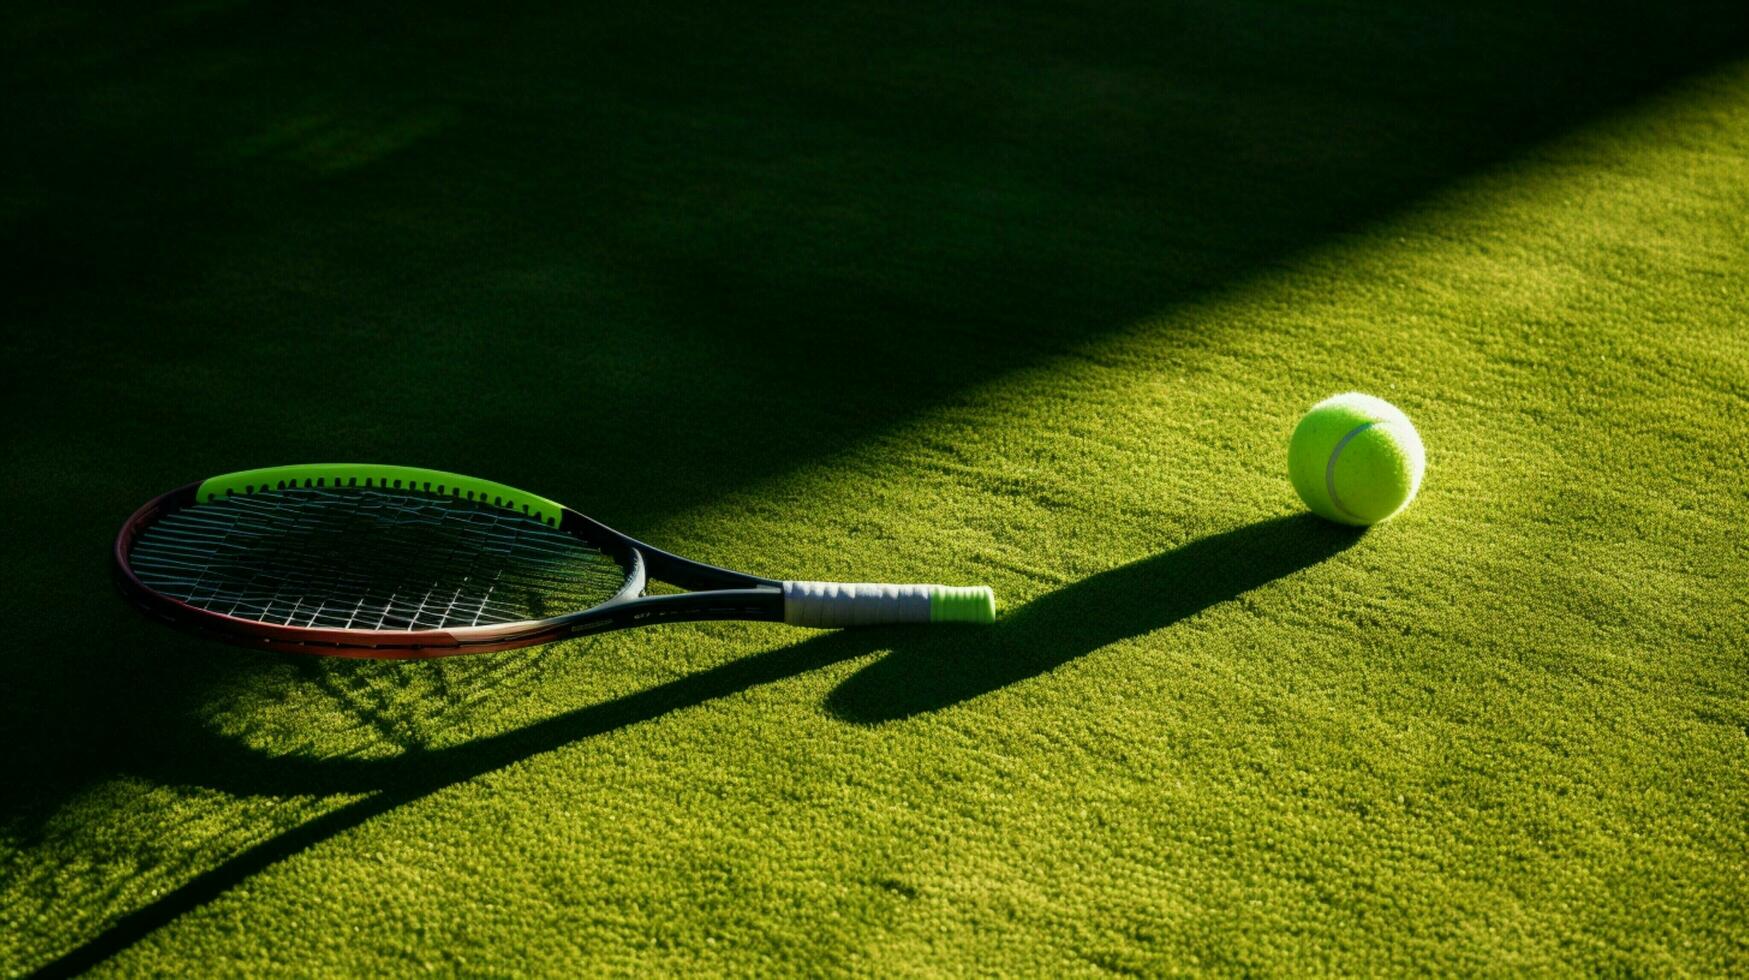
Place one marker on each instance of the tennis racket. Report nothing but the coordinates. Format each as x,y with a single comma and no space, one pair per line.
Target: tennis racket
394,562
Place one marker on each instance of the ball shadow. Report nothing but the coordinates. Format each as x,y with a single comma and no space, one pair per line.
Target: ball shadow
932,669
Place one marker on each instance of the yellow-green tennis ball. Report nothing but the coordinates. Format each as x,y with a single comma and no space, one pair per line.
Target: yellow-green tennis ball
1356,459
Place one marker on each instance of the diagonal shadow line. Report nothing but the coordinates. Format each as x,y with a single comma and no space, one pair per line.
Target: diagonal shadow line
929,669
1018,304
868,699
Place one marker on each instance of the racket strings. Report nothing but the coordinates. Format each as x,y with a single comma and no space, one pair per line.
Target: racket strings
278,593
370,559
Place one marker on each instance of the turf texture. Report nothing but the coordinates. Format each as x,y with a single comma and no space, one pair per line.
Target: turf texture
1029,295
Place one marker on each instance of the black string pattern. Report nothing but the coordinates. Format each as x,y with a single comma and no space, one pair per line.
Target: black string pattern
370,559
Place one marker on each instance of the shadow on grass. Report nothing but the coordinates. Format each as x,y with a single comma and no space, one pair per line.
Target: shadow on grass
926,670
550,243
934,669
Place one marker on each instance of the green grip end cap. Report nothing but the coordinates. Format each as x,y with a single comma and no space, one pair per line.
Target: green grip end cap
962,604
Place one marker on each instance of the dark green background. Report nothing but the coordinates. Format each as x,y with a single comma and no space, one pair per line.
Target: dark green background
641,258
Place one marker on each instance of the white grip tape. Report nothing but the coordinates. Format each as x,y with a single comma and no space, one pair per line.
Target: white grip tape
831,605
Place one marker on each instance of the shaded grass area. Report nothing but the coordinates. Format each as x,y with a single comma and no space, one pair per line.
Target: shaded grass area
854,294
926,670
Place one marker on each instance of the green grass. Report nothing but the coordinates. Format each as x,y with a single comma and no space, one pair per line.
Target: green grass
1031,296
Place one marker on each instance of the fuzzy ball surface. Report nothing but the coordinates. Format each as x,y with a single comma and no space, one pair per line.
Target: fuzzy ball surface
1356,459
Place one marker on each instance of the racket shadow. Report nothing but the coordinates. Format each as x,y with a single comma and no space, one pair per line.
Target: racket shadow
935,669
205,759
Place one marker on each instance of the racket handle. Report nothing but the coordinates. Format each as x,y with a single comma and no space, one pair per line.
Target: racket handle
830,605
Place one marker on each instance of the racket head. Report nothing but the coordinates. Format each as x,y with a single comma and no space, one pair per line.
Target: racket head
373,561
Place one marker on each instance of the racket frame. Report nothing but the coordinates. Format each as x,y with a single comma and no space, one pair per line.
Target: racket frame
714,593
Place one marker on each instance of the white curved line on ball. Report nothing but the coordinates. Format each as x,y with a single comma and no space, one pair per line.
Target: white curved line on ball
1330,468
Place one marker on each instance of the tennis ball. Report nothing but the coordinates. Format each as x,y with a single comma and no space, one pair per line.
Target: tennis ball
1356,459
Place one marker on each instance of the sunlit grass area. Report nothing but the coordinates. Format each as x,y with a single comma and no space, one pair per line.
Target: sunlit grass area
1041,316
